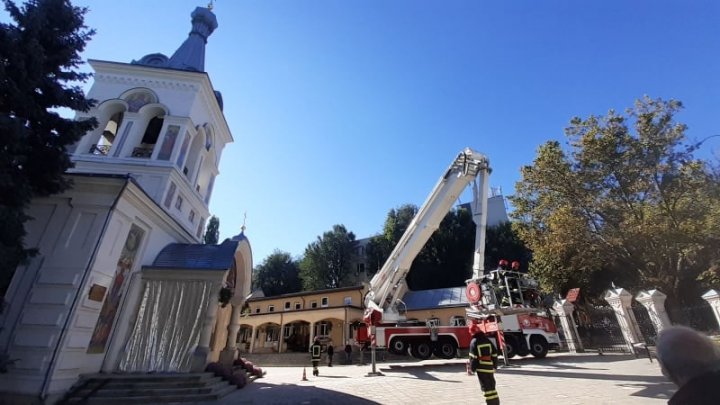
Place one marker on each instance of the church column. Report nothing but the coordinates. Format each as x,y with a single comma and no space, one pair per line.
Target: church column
229,352
565,310
713,298
621,302
654,302
202,351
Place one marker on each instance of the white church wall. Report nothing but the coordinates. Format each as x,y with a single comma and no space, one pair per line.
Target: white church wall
133,209
66,230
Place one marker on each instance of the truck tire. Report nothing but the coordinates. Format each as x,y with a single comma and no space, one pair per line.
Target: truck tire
421,350
511,345
398,346
538,346
445,349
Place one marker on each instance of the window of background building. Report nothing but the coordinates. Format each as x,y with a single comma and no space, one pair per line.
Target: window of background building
324,302
271,308
287,305
288,330
257,310
313,304
347,300
273,332
298,305
457,321
322,328
244,335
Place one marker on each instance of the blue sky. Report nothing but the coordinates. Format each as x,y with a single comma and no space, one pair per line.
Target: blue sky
341,110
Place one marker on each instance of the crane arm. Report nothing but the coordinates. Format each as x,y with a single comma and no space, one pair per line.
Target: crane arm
388,284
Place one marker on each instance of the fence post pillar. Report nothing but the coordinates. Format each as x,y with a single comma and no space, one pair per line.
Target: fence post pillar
713,298
654,302
565,310
621,302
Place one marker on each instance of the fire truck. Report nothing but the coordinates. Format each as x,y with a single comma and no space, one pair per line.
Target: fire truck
502,303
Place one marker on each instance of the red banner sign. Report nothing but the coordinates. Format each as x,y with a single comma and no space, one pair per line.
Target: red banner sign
573,294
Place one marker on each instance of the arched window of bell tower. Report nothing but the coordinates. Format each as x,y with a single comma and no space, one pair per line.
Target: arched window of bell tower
110,116
196,147
150,125
110,133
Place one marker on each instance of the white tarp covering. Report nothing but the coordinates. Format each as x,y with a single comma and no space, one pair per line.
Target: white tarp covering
168,326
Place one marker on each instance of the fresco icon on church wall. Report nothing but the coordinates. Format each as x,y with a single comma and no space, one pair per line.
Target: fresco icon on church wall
169,142
125,263
138,100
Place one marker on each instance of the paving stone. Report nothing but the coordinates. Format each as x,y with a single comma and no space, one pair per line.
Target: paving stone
559,379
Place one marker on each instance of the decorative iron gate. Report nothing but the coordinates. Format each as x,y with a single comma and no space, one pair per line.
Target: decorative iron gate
698,316
645,323
598,329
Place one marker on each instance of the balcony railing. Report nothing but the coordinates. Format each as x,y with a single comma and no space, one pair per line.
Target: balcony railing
100,149
141,152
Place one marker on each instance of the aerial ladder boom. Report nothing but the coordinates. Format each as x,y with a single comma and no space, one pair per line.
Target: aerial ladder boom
388,284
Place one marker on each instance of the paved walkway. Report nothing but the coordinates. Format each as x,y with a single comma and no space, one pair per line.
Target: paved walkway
558,379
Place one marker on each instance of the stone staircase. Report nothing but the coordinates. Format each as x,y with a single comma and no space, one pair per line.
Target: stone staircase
147,388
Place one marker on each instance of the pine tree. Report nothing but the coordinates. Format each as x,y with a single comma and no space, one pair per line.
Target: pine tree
39,57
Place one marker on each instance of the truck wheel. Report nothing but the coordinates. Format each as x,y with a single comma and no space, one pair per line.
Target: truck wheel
510,346
421,350
445,349
538,346
398,346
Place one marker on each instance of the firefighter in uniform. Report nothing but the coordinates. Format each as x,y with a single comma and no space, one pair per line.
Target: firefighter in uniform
315,350
483,361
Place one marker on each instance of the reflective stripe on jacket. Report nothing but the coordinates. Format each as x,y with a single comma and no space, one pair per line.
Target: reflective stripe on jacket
483,354
315,350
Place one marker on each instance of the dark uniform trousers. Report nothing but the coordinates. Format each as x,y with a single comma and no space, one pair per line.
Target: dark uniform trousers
483,361
315,351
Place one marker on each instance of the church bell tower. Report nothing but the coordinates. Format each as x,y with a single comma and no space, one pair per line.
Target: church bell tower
160,123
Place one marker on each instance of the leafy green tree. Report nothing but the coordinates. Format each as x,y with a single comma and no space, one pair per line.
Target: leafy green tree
503,242
380,246
39,56
212,232
628,202
446,258
328,262
278,274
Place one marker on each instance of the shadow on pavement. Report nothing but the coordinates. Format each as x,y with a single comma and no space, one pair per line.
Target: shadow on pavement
420,371
649,386
586,376
281,394
657,391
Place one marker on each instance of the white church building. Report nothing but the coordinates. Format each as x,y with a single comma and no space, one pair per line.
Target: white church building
122,282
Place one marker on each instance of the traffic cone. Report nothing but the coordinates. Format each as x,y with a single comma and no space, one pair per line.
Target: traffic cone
304,375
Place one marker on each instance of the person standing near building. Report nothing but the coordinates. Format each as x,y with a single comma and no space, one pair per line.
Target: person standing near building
483,361
315,352
330,353
348,353
692,361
